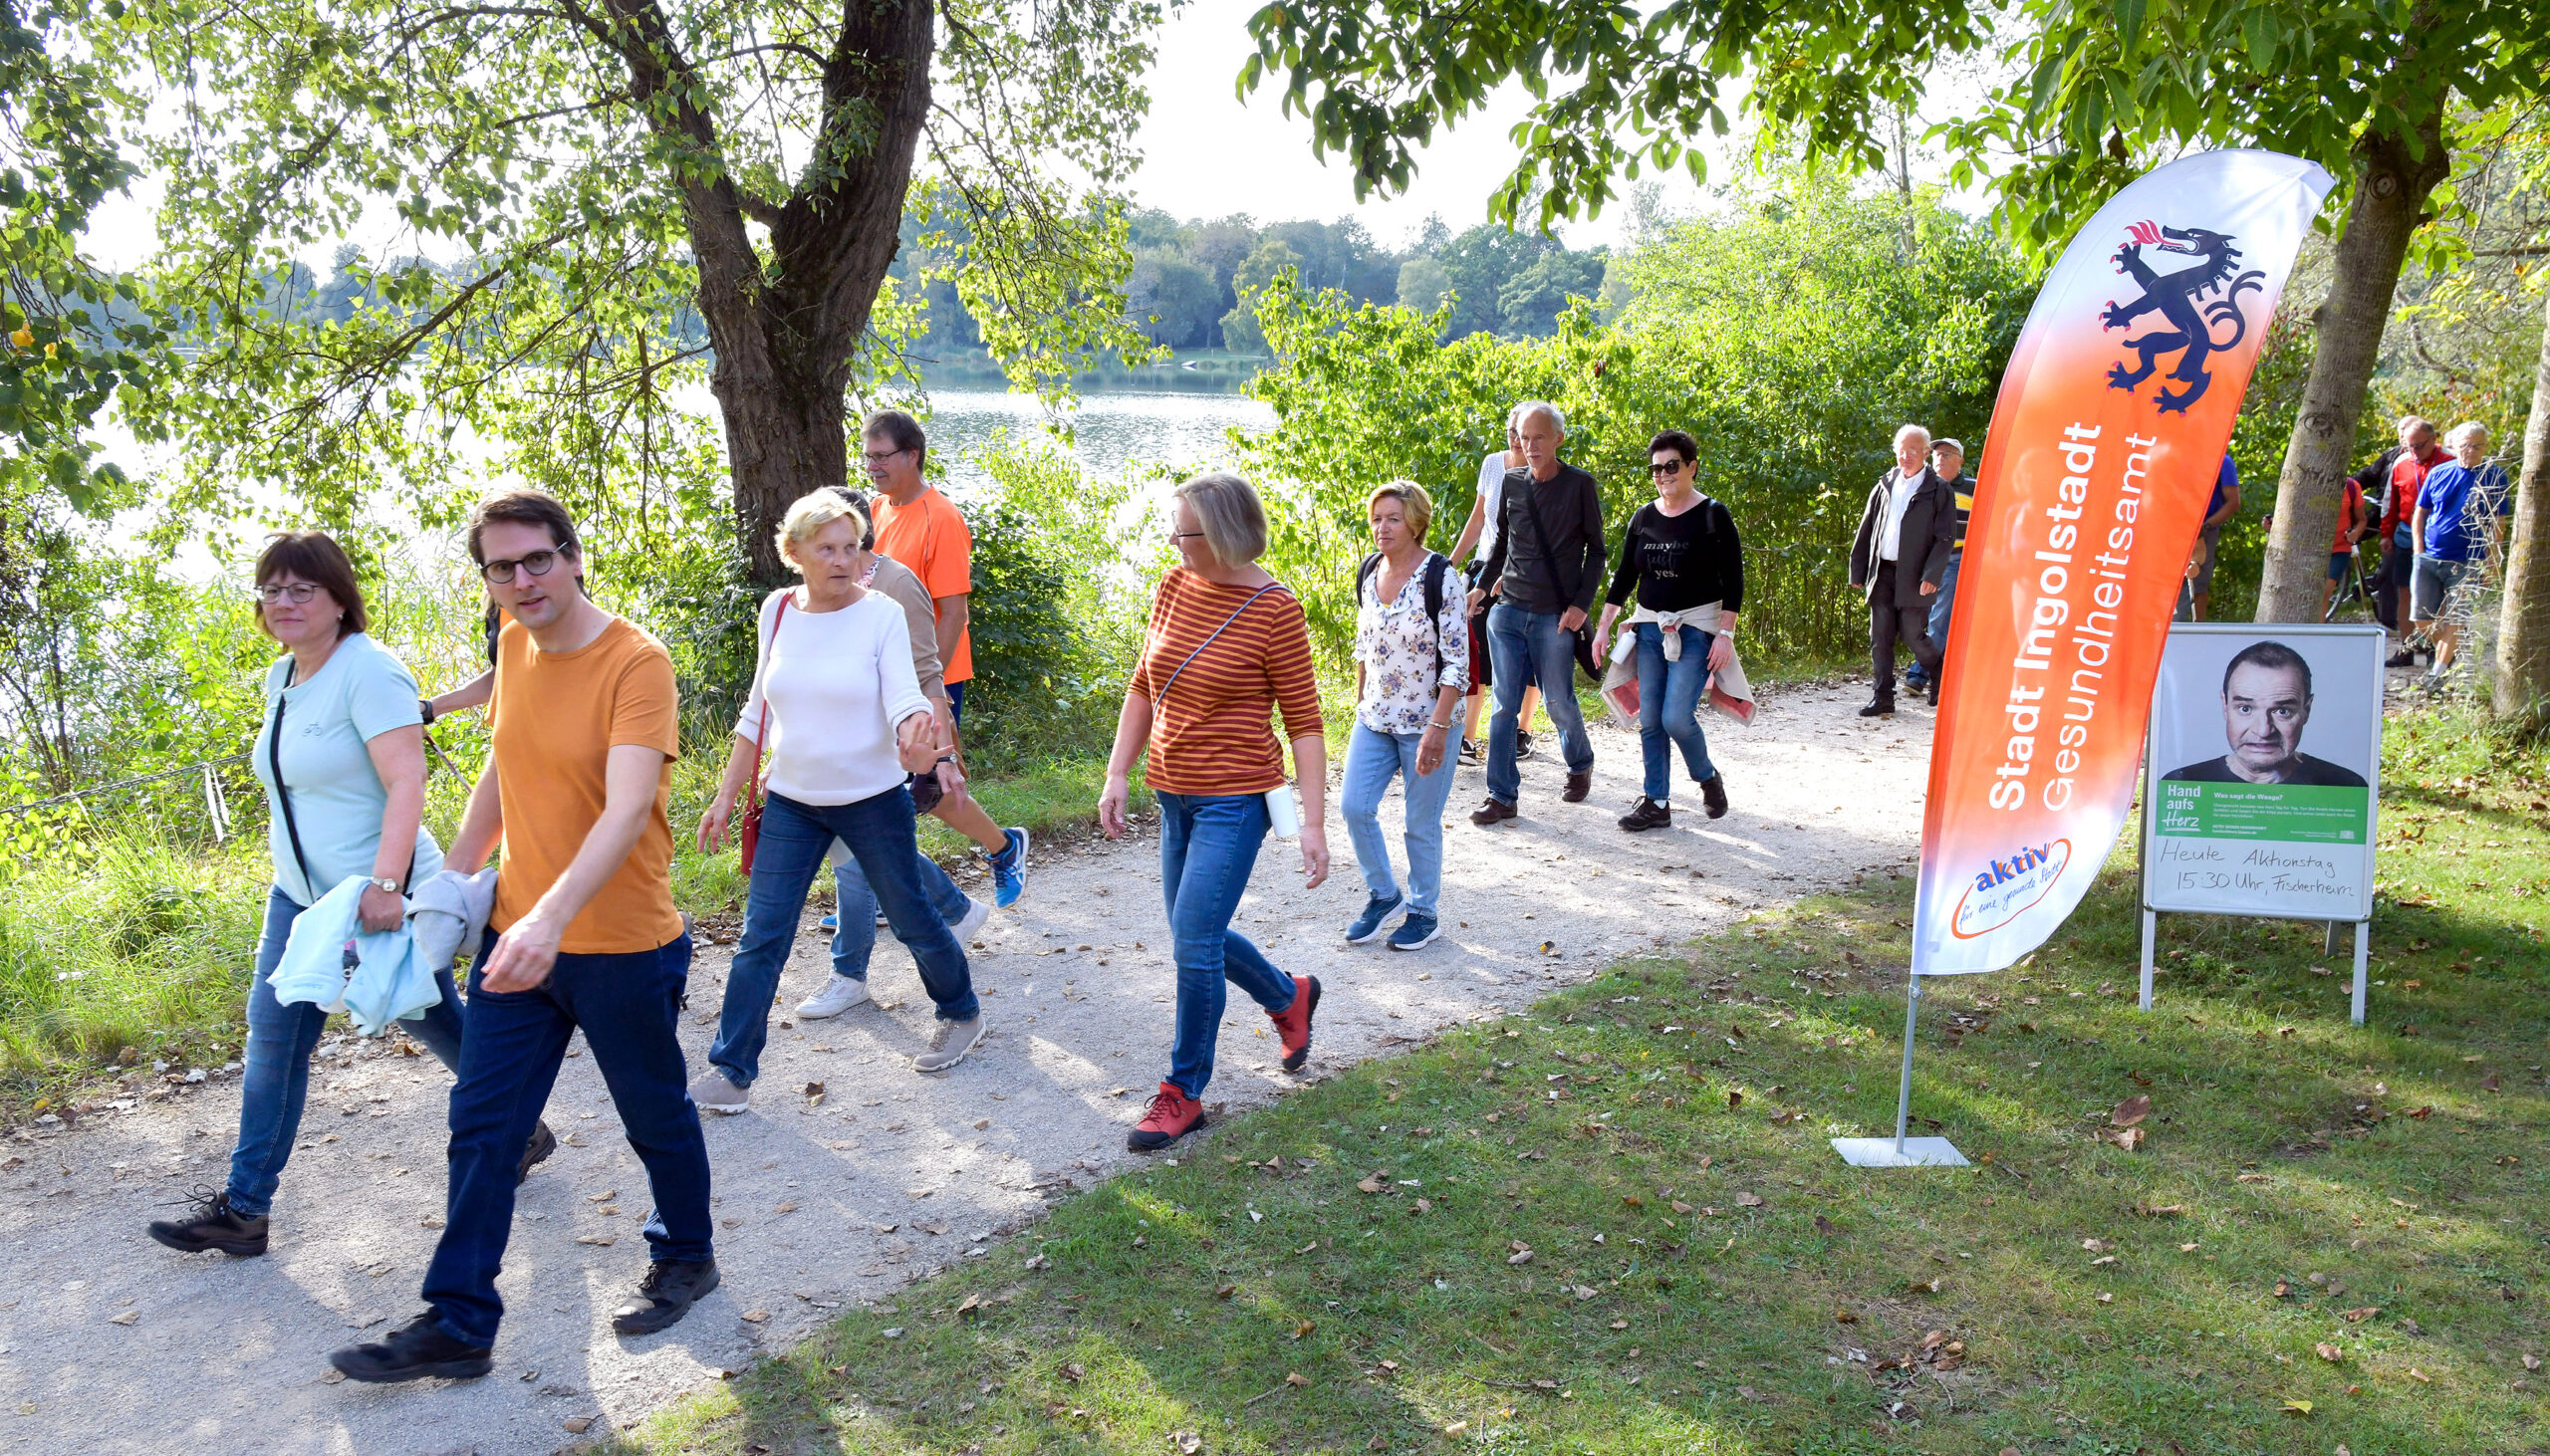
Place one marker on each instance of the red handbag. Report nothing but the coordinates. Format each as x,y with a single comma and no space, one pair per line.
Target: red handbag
748,828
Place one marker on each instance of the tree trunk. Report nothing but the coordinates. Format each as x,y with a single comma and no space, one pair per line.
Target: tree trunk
2394,174
2523,638
786,330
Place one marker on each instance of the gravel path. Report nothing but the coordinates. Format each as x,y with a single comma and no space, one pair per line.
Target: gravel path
109,1343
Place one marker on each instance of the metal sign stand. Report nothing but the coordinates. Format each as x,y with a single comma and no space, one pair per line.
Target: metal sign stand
1900,1152
2372,780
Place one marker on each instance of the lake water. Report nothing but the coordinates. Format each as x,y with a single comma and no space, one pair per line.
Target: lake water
1189,431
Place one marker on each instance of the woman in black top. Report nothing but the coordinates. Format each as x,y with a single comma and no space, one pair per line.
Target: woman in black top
1683,552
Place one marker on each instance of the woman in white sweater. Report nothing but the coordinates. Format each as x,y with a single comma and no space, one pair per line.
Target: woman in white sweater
837,711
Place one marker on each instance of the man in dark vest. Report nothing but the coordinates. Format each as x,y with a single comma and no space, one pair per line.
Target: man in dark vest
1907,537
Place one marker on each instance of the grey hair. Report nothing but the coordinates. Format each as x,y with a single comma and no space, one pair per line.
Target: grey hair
2464,430
2411,424
814,511
1229,514
1911,430
1530,408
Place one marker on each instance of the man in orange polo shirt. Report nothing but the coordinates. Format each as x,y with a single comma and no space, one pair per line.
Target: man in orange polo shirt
921,529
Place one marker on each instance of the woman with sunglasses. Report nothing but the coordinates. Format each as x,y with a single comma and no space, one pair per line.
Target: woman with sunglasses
1682,554
342,756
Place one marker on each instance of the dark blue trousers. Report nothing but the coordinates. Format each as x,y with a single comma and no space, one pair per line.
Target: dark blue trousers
628,1007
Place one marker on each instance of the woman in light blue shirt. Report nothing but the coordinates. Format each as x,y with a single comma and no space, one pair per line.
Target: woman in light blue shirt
342,756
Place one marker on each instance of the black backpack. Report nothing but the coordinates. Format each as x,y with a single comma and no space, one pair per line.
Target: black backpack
1435,566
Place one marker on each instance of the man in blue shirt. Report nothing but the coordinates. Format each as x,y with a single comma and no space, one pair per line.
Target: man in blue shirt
2456,530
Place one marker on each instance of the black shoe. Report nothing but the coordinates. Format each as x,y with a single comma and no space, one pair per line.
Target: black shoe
1578,786
1713,794
1879,708
1494,811
543,1143
213,1226
1522,747
666,1295
415,1350
1646,813
2405,657
1932,694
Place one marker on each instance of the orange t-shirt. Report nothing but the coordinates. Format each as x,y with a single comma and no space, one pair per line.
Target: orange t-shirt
930,538
557,717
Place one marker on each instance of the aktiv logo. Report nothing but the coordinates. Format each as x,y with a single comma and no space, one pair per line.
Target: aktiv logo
2007,886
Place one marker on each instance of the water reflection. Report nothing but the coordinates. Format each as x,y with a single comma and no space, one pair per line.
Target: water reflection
1187,431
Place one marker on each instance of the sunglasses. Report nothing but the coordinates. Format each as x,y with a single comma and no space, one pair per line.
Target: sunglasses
1669,467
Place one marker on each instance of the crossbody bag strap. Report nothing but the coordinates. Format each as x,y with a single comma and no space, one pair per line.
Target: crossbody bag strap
283,795
1162,694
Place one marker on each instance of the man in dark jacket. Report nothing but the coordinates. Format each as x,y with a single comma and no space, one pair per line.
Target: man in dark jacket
1549,556
1906,537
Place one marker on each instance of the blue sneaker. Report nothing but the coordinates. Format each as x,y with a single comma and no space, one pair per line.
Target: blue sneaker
1009,869
1368,926
830,922
1415,931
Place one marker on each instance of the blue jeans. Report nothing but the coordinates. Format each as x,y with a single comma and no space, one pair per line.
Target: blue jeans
1941,606
1207,844
855,933
1668,707
794,836
1371,761
628,1006
274,1082
1525,645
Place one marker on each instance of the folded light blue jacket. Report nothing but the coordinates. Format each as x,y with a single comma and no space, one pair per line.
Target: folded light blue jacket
375,977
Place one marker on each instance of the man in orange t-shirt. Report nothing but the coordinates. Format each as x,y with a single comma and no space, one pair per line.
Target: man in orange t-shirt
923,529
584,937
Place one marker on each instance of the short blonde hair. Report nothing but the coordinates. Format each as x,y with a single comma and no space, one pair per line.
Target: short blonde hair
1414,504
812,512
1229,514
2464,431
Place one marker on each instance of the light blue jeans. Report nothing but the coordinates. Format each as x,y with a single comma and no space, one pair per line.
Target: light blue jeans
854,939
1372,759
1668,707
1207,845
1525,645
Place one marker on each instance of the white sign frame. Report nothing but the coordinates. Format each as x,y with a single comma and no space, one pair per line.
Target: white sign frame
2375,643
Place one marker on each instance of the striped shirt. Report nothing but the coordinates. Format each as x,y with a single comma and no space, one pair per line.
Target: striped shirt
1210,735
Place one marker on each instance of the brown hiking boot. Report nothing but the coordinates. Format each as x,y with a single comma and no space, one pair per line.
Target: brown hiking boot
1494,811
1578,786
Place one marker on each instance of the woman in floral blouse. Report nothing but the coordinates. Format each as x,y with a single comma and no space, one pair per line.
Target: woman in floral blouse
1411,665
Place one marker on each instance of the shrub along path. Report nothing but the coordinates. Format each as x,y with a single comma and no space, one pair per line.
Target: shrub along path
840,1200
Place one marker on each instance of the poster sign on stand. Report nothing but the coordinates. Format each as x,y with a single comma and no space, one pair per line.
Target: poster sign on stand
2262,779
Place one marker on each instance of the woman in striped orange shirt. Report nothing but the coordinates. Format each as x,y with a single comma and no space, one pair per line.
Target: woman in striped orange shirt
1226,648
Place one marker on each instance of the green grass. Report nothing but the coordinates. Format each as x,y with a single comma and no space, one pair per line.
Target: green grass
2297,1172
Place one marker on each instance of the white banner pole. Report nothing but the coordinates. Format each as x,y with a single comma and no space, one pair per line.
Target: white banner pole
1903,1093
2363,956
2151,933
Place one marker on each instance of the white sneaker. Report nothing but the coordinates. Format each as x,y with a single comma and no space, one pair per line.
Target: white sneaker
839,994
714,1094
976,912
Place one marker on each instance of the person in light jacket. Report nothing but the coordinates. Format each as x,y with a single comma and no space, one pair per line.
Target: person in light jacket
342,755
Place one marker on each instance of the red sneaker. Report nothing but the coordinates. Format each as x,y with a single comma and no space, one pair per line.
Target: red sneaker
1172,1115
1293,1023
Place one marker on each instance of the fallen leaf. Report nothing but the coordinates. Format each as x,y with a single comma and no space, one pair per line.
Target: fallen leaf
599,1241
1385,1369
1748,1200
1037,1262
1847,1316
2251,1178
2358,1316
1374,1183
1457,1430
1824,1225
1296,1379
2329,1352
2489,1082
1186,1442
1679,1206
2297,1407
2532,1362
127,1318
2131,1110
1519,1256
1074,1371
2283,1291
2159,1210
1303,1328
973,1305
578,1426
2128,1138
755,1317
1925,1286
1422,1205
2420,1377
981,1122
787,1208
1734,1100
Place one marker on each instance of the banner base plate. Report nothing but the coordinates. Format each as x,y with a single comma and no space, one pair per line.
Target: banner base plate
1919,1152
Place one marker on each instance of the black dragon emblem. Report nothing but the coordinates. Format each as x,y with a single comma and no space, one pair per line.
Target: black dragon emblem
2193,301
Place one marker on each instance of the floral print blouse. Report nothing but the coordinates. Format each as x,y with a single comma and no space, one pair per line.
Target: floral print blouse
1395,644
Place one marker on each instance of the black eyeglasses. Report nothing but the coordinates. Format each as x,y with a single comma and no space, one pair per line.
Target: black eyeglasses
295,593
501,572
1667,467
878,461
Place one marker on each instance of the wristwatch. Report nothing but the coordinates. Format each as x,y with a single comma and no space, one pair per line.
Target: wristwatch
427,707
383,883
